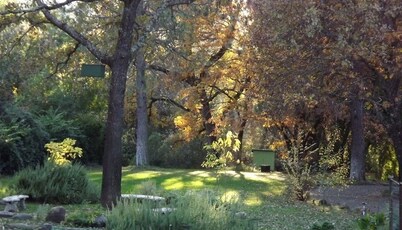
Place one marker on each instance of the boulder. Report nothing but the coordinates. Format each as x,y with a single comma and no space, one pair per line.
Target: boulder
56,214
100,221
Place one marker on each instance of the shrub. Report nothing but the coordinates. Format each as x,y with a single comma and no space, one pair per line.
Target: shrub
372,222
61,153
222,151
22,139
300,180
324,226
52,183
193,210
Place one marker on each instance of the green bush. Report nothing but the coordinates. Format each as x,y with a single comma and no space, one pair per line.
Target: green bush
193,210
22,139
324,226
372,222
66,184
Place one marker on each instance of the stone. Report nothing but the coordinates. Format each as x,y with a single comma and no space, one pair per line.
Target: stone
20,226
56,214
241,215
100,221
4,214
46,226
22,216
163,210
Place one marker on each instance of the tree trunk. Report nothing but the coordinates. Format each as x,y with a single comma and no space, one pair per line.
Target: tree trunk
112,156
209,125
357,158
142,118
121,60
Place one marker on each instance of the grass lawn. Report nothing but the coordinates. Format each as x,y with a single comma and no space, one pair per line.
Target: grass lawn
261,194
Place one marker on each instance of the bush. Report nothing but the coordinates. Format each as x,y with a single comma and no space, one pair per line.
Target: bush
300,179
193,210
66,184
324,226
61,153
22,139
372,222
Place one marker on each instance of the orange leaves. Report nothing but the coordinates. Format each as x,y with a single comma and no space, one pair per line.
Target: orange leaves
188,125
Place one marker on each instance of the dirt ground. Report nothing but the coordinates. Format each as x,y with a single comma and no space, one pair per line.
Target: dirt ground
376,196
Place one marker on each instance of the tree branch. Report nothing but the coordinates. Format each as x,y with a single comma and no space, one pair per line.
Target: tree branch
63,63
103,57
158,68
171,101
44,6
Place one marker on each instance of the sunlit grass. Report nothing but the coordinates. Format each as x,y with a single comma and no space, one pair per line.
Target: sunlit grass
261,194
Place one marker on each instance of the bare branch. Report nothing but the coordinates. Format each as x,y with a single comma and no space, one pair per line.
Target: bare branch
63,63
158,68
103,57
41,7
171,101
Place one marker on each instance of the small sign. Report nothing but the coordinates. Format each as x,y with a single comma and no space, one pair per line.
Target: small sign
93,70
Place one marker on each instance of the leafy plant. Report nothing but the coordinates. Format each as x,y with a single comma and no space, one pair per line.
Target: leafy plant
61,153
65,184
300,179
192,210
324,226
372,222
221,152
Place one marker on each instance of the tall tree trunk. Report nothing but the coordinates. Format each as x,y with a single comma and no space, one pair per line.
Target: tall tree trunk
142,118
112,156
121,60
357,158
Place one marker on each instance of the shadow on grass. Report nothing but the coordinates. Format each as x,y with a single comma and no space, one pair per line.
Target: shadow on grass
252,187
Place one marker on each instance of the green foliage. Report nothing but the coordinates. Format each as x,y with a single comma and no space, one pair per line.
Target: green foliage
192,210
58,125
84,216
22,139
128,146
61,153
65,184
177,154
372,222
382,161
324,226
221,152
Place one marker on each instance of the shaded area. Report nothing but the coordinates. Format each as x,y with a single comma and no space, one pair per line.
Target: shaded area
375,196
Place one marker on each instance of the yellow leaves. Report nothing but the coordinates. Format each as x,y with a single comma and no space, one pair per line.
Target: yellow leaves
188,126
61,153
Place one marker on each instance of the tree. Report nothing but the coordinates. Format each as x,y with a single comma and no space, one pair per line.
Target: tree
118,59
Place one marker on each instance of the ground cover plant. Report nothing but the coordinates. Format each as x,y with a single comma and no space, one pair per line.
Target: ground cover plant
260,196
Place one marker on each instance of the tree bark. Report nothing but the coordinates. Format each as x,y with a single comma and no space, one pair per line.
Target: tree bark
357,158
142,118
112,156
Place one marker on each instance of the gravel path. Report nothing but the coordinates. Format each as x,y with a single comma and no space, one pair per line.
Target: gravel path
352,196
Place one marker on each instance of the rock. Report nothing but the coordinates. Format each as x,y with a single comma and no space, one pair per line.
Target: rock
100,221
46,226
56,214
4,214
20,226
163,210
241,215
22,216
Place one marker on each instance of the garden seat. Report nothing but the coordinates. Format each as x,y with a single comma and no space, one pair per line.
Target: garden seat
14,203
141,198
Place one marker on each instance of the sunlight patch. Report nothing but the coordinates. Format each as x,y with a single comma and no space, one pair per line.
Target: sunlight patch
173,183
